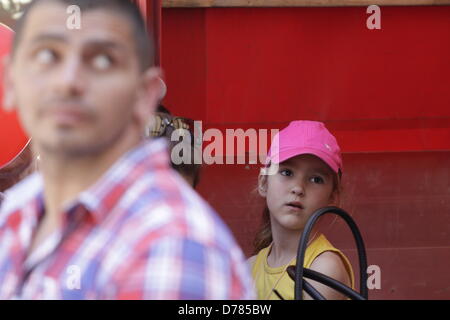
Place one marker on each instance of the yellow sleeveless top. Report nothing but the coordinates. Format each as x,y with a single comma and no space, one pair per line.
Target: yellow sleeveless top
266,278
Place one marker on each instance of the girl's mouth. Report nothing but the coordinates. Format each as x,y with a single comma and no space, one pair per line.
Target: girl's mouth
295,204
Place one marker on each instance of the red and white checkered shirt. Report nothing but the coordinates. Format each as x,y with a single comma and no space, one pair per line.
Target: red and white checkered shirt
139,233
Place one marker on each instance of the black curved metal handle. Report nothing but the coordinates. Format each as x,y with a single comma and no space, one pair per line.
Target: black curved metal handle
324,279
299,269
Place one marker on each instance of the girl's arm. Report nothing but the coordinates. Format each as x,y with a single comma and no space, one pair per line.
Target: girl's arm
330,264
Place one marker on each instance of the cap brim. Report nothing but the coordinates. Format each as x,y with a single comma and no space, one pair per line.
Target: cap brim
287,154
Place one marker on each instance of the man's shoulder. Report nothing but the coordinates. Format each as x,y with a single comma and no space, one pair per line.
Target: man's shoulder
20,195
177,210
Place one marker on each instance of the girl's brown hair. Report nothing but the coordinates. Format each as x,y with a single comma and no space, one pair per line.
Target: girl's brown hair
263,237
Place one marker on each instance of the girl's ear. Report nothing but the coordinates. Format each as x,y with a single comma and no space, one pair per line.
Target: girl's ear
262,184
335,198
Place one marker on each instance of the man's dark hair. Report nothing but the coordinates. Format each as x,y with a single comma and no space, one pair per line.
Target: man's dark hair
144,40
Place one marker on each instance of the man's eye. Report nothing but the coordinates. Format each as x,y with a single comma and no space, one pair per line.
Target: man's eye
101,62
45,56
317,179
286,172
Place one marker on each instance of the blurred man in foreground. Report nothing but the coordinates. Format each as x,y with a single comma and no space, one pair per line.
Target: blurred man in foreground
105,218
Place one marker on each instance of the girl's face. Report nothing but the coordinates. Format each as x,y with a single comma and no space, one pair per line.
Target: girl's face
302,185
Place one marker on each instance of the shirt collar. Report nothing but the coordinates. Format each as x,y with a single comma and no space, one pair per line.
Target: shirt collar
103,196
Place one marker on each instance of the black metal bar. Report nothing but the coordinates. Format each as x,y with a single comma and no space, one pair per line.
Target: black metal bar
278,294
330,282
309,289
299,269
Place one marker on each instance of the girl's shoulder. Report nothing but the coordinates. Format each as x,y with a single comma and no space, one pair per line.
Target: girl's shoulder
258,258
331,264
329,260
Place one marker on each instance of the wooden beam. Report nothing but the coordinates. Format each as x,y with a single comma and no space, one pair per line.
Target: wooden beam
295,3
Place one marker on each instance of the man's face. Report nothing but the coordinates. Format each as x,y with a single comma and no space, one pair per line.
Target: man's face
78,91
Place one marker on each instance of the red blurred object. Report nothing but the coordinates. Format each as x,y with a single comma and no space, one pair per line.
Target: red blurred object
12,137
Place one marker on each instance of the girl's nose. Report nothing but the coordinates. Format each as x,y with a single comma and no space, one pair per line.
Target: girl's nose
298,189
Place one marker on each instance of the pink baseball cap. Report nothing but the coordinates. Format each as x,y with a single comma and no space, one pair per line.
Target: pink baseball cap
305,137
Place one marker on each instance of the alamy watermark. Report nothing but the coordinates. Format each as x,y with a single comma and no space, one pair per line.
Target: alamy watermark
74,20
213,146
374,277
374,20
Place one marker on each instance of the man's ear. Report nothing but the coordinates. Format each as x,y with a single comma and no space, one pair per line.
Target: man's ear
262,184
150,93
9,99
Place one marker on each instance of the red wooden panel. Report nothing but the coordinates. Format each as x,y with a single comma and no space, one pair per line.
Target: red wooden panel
184,61
410,273
271,65
382,93
323,63
400,201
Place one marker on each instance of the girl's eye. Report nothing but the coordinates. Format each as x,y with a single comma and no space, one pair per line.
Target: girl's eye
317,179
101,62
46,56
286,172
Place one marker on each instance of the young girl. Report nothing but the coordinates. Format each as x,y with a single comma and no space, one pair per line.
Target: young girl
302,175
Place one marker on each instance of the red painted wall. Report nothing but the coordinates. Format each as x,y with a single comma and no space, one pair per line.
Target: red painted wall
385,94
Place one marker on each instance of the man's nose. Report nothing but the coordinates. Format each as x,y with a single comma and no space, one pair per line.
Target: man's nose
69,81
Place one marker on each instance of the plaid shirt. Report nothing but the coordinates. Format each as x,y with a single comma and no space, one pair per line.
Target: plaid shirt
139,233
